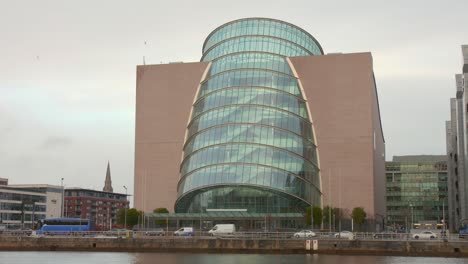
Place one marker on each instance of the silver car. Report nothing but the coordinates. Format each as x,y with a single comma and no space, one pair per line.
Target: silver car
304,234
155,232
425,235
344,234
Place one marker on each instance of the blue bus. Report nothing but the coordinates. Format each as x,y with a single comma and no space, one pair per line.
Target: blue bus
62,226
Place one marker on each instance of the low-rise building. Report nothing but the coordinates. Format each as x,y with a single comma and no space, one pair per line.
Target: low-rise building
99,206
53,194
24,204
416,191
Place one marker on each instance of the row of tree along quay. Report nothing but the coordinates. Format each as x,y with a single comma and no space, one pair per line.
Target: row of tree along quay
327,219
333,219
136,218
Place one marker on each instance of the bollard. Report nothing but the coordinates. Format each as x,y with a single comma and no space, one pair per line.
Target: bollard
315,245
307,244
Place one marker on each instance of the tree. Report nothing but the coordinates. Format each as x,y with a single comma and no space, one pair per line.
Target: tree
326,216
358,215
308,216
161,211
331,216
338,212
317,215
132,216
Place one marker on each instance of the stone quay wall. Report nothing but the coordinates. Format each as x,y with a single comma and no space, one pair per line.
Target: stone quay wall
208,245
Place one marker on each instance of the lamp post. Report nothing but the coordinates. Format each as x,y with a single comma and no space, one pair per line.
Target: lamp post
383,221
412,218
61,204
443,218
32,215
125,206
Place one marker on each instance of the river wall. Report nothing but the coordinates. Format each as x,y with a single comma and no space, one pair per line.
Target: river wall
207,245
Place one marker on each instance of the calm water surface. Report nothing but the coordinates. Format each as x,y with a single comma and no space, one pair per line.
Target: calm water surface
173,258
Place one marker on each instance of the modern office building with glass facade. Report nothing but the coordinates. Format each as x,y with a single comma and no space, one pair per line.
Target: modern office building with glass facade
416,191
264,123
457,147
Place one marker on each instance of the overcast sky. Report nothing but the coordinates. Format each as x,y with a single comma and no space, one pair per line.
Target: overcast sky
67,72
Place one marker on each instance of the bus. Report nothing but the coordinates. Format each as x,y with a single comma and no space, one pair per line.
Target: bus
62,226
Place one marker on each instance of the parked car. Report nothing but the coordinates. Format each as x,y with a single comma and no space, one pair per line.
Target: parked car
185,231
155,232
304,234
222,229
120,232
425,235
344,234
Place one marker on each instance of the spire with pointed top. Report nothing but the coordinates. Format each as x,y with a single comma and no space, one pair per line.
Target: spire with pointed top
108,182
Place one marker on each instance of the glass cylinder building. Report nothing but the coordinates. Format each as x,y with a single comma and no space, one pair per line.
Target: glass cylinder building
250,140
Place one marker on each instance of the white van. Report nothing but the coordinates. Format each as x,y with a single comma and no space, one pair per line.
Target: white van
222,229
185,231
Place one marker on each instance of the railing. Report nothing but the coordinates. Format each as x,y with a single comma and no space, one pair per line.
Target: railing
158,234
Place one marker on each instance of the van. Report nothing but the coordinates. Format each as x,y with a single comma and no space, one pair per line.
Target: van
185,231
222,229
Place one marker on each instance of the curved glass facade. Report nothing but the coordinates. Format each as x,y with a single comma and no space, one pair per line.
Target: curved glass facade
250,142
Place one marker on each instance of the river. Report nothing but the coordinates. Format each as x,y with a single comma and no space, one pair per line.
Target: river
181,258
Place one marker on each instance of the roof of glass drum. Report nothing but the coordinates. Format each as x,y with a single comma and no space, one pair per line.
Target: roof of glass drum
255,26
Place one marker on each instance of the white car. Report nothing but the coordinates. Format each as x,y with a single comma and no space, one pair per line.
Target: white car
185,231
425,235
343,234
304,233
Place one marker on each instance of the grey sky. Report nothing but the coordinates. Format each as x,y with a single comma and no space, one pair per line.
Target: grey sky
67,72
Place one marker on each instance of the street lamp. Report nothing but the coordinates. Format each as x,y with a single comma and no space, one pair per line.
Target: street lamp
65,211
63,194
412,217
443,217
32,216
383,221
125,206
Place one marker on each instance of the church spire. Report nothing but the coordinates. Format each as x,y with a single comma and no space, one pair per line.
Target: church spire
108,182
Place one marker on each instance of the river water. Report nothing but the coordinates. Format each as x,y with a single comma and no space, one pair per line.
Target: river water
181,258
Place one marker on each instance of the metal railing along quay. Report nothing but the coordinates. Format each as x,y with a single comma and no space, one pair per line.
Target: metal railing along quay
235,235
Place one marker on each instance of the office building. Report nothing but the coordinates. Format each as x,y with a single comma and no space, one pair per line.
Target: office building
457,149
264,123
23,204
416,191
